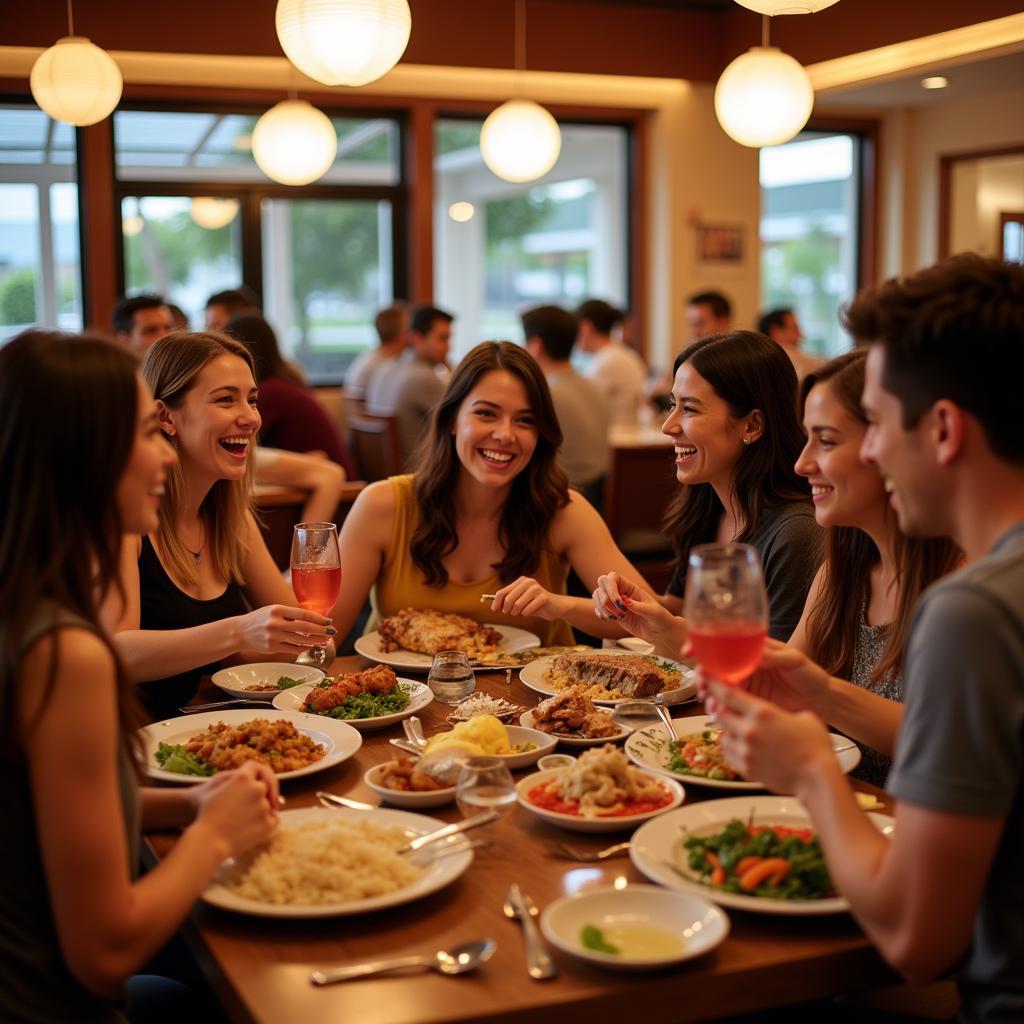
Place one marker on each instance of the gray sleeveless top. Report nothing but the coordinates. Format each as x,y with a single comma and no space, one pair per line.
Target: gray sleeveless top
874,767
35,983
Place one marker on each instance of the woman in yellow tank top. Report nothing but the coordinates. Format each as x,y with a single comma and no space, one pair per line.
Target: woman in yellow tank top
487,510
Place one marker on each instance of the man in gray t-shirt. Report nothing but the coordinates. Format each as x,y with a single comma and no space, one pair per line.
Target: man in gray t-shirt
946,891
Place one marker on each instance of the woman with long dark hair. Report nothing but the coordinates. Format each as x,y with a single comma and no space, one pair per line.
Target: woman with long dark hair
83,461
192,584
487,509
736,438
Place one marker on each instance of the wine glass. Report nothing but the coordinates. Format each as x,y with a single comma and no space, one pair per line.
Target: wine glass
316,572
726,609
451,678
484,783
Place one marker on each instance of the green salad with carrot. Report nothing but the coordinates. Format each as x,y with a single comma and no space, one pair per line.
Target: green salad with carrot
772,861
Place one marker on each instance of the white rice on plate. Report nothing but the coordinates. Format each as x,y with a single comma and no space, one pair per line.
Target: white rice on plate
318,862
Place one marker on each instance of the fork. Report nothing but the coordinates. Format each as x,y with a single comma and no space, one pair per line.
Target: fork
586,856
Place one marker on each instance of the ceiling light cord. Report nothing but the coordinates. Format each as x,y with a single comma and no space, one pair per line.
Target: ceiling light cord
71,20
765,24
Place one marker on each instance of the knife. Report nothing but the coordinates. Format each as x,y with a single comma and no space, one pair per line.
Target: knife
538,964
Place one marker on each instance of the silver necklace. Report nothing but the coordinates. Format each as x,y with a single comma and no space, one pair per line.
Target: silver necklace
202,547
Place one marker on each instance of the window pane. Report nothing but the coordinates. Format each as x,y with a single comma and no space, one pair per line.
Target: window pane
326,271
183,248
40,262
810,195
561,240
152,145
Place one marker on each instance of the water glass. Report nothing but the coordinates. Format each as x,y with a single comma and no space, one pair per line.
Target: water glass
484,783
451,679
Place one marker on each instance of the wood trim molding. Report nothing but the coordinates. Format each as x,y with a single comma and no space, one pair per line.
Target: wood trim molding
99,220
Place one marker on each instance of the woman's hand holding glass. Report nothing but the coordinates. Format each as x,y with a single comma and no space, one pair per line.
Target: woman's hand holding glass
239,807
282,629
622,601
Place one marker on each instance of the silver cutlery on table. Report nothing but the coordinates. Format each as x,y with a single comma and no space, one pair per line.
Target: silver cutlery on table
333,800
235,702
475,821
409,748
414,732
466,957
586,856
518,905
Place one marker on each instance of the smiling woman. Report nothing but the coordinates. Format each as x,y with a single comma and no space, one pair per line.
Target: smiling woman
188,589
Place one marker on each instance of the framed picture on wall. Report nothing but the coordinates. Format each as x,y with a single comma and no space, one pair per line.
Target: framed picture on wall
720,243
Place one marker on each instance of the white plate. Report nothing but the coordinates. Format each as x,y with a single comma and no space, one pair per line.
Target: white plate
657,849
532,675
401,798
235,679
648,748
517,737
368,645
419,697
618,823
438,872
698,924
635,645
340,740
526,718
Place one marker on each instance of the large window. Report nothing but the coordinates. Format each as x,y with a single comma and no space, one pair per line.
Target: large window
500,248
198,216
40,263
810,213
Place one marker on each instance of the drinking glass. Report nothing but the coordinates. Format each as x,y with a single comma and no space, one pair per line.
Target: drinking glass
451,679
316,572
484,783
726,608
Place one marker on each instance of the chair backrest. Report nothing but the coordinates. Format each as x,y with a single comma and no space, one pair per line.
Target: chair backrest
333,402
374,443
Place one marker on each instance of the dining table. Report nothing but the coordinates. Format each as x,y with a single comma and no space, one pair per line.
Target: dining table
259,968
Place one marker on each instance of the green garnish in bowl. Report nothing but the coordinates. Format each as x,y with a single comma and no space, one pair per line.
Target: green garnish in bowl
593,938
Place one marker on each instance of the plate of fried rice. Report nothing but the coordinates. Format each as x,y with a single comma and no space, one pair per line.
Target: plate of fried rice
333,863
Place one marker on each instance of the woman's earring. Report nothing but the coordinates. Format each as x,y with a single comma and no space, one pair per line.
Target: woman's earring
746,440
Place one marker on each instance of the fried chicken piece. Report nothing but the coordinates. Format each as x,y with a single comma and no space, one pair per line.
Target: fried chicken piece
379,679
430,632
570,712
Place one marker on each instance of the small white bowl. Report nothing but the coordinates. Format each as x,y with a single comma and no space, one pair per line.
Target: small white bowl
402,798
235,679
577,823
519,735
551,761
698,924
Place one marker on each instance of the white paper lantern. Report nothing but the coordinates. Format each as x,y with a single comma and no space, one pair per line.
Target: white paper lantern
763,98
294,143
343,42
212,213
520,141
76,82
774,7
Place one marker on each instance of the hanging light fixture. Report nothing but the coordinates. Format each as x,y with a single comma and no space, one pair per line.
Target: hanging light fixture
764,97
774,7
520,141
343,42
294,143
212,213
75,81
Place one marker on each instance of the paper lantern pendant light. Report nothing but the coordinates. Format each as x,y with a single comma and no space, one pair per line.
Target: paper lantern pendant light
764,97
76,82
520,141
212,213
343,42
774,7
294,143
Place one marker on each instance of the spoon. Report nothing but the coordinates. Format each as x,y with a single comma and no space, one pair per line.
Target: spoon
638,714
466,957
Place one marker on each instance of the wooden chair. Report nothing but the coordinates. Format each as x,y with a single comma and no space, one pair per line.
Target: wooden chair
374,444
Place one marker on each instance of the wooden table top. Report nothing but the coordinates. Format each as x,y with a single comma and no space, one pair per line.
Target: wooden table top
260,967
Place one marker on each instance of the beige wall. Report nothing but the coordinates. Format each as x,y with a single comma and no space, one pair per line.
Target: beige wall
981,191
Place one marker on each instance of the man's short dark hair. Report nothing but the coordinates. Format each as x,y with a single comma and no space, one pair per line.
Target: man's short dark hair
127,306
234,300
719,305
423,318
774,318
601,314
954,331
554,327
388,323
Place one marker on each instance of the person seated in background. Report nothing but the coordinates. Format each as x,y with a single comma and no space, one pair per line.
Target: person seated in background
941,395
708,313
77,919
190,587
323,480
782,327
618,371
409,387
141,321
487,510
582,409
736,437
293,418
179,321
222,306
392,326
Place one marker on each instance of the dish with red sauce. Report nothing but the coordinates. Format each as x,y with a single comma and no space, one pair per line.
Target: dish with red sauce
546,797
